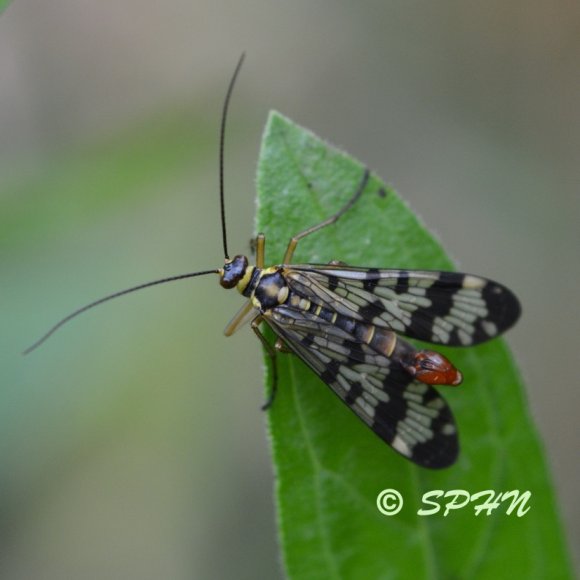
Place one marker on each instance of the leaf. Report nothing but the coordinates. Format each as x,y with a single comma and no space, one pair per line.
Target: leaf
3,5
330,466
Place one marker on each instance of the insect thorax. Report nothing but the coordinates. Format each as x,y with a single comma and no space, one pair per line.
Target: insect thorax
266,288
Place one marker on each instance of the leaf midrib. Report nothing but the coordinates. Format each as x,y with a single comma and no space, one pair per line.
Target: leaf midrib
316,470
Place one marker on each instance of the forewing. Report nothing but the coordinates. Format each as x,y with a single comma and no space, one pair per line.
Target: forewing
408,415
448,308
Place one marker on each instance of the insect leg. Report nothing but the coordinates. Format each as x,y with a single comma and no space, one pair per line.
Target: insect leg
271,351
242,316
260,250
332,219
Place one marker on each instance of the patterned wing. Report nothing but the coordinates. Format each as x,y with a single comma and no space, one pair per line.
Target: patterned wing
408,415
442,307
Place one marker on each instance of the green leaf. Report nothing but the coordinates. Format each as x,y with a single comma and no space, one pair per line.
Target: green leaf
3,4
330,466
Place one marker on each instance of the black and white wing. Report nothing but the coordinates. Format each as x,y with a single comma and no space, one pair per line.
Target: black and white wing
408,415
447,308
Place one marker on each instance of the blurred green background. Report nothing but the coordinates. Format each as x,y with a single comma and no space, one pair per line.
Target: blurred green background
132,444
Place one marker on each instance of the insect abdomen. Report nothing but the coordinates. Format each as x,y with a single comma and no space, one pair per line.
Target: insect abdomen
424,365
381,340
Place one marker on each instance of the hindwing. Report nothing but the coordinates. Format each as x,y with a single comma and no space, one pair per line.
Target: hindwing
407,414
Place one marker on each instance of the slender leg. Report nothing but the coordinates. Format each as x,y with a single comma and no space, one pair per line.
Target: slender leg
260,250
272,354
332,219
242,316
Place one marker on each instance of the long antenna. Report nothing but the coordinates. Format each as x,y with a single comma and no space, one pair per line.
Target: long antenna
222,146
110,297
74,314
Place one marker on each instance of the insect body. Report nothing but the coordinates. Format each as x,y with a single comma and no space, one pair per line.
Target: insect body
347,324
